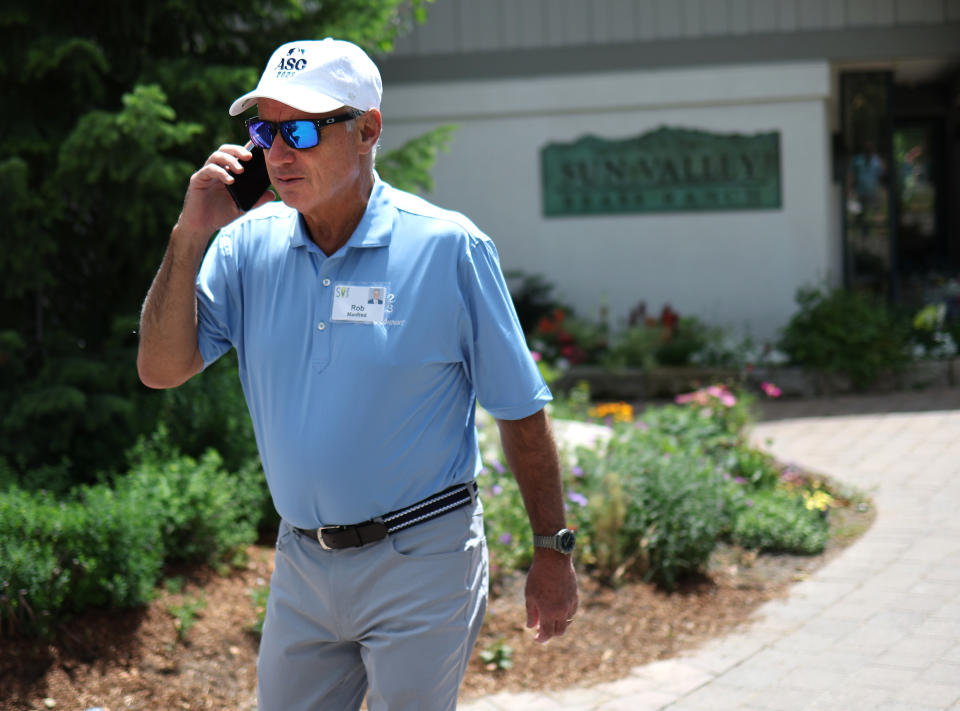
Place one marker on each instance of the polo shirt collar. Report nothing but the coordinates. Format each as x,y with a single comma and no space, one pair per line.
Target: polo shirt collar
374,229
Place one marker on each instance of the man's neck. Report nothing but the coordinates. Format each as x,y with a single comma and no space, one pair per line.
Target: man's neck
331,228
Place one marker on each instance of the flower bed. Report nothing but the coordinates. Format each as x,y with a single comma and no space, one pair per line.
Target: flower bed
652,496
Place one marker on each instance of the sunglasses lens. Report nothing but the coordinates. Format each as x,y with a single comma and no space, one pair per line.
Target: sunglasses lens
300,134
261,133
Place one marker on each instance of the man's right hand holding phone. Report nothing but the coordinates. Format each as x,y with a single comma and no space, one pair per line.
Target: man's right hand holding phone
208,206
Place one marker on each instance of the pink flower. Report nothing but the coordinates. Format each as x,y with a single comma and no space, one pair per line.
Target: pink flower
726,398
536,356
699,397
704,396
770,389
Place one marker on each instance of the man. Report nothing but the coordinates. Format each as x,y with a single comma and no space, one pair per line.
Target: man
364,414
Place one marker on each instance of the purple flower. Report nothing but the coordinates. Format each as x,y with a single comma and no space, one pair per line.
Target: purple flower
506,539
578,499
498,466
740,480
496,490
749,503
576,471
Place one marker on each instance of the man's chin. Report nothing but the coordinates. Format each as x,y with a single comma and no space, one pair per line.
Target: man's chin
290,196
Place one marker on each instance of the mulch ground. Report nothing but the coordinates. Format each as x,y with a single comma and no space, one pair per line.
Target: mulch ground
145,659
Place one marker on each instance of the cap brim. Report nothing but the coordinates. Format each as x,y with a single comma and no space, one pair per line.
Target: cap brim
307,101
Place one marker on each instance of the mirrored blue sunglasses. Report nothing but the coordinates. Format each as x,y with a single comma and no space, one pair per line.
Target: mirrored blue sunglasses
300,133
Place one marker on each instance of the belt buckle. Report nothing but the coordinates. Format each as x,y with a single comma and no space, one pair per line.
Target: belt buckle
320,540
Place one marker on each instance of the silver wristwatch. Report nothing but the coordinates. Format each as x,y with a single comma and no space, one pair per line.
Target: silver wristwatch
563,541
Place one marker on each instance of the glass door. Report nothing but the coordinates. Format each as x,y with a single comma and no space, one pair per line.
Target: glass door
922,245
869,227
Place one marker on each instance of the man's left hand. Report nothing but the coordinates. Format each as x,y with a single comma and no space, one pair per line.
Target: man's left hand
552,597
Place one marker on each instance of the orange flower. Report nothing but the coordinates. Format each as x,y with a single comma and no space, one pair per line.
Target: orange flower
619,411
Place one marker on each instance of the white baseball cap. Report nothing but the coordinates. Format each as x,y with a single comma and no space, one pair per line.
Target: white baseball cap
317,76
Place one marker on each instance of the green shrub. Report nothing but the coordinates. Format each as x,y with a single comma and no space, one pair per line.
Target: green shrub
648,344
778,521
846,332
210,412
69,410
205,512
659,503
687,337
753,466
715,418
95,549
104,546
635,347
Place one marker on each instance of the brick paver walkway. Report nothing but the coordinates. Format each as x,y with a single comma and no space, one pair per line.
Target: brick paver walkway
877,628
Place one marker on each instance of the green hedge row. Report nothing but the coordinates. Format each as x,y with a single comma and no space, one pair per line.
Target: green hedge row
104,545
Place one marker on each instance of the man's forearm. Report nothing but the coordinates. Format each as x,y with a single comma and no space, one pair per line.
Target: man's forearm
168,353
531,452
551,590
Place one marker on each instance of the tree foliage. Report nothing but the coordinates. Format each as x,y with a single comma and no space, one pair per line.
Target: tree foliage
109,106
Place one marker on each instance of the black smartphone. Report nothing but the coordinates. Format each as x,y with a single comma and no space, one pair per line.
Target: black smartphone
248,186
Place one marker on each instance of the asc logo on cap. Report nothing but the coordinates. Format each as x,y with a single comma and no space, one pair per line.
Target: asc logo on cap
291,63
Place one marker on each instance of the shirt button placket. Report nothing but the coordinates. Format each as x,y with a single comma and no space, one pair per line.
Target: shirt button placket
321,351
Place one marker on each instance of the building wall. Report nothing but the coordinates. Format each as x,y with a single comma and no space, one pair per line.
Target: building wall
496,25
738,269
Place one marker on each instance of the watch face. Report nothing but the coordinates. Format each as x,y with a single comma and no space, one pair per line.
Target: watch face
566,540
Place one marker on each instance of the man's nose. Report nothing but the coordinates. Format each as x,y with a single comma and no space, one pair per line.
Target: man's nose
279,152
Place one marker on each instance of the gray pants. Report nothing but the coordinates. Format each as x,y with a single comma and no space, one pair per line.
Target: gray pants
397,618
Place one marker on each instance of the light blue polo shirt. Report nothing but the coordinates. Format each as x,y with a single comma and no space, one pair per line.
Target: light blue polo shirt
362,407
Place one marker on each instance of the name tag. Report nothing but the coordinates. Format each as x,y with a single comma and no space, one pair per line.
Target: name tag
354,303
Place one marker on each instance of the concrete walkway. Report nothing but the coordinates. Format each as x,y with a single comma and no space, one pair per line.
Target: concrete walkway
878,628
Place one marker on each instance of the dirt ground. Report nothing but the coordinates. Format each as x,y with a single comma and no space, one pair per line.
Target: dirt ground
192,647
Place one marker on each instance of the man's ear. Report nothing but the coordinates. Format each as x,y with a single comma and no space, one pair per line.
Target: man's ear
370,125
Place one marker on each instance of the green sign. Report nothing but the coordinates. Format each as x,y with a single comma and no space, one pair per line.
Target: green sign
665,170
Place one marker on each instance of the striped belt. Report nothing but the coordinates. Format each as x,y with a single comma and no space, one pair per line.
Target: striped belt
360,534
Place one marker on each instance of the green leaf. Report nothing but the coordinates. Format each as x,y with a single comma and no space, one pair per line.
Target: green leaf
408,167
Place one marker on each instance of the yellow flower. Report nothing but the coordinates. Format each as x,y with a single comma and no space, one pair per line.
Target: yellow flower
817,500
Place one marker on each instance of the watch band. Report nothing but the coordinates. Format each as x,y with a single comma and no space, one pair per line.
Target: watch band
563,541
545,541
